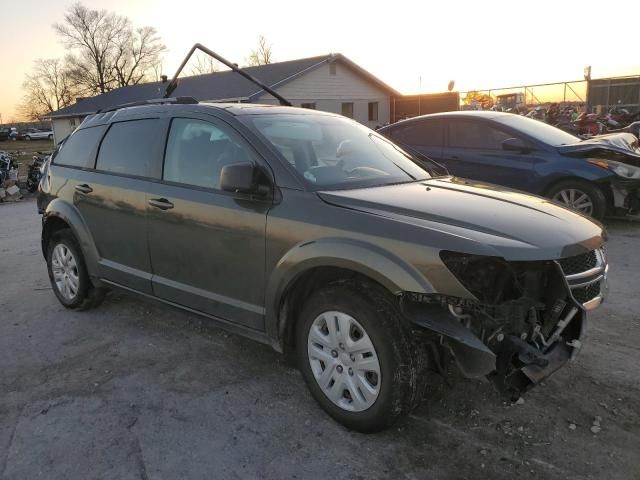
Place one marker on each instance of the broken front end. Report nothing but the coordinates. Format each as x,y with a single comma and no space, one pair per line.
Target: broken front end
527,318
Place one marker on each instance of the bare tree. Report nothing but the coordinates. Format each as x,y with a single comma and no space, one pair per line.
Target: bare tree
106,51
137,56
47,88
204,64
262,55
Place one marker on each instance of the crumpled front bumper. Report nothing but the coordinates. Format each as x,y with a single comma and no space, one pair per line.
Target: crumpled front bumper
513,365
516,372
626,195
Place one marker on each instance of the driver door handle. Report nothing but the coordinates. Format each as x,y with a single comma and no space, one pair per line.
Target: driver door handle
84,188
161,203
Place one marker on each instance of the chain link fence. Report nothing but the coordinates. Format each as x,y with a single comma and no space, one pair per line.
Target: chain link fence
526,96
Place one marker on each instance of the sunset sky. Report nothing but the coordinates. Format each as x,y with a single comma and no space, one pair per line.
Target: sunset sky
478,44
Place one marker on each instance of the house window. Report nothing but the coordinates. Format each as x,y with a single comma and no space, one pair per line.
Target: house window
311,106
72,122
373,111
332,68
347,109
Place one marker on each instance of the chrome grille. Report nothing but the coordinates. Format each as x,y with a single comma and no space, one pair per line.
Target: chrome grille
579,263
584,294
585,275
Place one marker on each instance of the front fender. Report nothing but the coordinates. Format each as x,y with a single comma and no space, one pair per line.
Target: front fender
68,213
572,168
370,260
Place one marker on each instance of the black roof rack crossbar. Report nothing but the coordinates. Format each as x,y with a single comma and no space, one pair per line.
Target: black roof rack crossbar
158,101
233,66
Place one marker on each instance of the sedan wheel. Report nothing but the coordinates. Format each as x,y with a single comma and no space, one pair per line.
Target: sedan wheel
576,199
344,361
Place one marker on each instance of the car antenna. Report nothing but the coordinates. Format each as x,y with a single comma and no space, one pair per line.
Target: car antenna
233,66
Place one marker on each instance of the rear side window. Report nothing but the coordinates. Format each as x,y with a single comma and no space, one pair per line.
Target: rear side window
79,150
472,134
130,148
423,134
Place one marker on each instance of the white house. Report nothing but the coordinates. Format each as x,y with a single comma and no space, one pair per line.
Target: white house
332,83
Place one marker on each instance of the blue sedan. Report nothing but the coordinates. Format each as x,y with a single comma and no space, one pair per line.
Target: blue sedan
597,177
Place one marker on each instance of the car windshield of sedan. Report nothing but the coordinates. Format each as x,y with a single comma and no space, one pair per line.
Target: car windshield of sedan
337,153
541,131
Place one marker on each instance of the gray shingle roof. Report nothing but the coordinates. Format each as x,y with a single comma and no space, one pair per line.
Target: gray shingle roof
213,86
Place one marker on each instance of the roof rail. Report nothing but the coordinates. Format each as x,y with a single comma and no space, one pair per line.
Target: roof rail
233,66
156,101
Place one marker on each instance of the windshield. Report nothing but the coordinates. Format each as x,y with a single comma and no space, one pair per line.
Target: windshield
541,131
337,153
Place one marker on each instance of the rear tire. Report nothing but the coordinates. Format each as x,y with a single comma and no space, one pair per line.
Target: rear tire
580,195
366,392
27,138
68,273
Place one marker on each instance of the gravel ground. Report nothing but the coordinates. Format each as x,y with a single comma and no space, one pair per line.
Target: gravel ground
137,390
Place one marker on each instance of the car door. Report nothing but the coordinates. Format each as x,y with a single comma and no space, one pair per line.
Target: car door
207,246
474,150
426,136
112,199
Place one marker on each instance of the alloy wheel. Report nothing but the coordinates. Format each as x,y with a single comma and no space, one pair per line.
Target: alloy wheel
65,271
344,361
576,199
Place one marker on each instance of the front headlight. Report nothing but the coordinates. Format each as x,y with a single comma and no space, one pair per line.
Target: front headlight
621,169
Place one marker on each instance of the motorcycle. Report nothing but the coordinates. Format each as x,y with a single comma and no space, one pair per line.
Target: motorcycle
622,117
34,172
8,178
589,124
8,168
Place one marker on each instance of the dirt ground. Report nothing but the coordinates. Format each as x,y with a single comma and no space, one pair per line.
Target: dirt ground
135,390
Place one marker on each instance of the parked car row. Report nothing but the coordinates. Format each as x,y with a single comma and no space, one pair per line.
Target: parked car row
598,176
11,133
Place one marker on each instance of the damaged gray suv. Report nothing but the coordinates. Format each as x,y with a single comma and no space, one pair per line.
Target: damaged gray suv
313,234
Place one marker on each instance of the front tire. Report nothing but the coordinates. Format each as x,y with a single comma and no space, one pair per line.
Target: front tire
579,195
358,357
27,138
68,273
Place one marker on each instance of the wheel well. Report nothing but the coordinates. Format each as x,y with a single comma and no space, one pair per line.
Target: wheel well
51,226
304,285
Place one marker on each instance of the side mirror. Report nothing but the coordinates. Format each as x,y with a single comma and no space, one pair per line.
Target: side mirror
515,145
242,178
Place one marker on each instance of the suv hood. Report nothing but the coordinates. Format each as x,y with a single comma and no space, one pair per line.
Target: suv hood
477,218
625,144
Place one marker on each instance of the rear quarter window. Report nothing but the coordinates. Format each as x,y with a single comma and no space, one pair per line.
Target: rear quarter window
465,133
132,148
419,133
79,150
